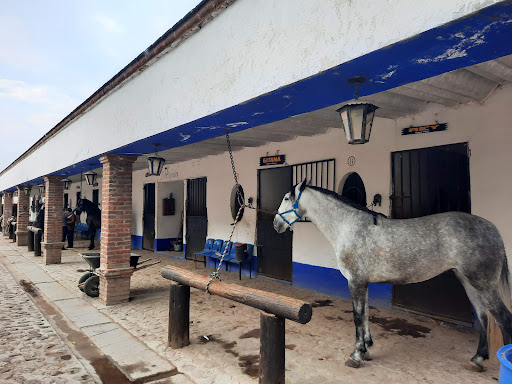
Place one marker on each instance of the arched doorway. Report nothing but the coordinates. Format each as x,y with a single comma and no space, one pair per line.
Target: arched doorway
353,189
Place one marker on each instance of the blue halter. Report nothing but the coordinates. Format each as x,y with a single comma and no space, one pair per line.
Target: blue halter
295,206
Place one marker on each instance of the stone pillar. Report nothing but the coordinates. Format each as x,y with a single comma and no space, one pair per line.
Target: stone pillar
116,228
22,217
54,203
7,211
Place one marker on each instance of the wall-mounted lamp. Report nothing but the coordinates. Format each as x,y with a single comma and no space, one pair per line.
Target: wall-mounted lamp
41,188
155,163
357,119
27,189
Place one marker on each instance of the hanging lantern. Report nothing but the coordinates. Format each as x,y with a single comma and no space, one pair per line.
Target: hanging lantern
41,188
27,189
8,193
155,163
67,183
357,118
90,177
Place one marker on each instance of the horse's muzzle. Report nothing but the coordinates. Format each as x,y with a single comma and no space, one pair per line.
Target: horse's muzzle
279,224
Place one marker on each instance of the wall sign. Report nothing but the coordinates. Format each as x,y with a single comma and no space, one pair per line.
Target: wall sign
351,160
425,129
272,160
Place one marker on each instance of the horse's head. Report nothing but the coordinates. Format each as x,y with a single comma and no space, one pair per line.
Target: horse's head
79,207
289,211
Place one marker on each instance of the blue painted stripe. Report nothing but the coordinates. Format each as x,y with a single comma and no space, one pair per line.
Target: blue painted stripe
136,242
332,282
164,244
414,59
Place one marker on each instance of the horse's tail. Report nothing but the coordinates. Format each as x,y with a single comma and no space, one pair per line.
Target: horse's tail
504,287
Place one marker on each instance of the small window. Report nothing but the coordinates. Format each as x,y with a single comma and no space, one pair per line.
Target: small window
235,202
353,189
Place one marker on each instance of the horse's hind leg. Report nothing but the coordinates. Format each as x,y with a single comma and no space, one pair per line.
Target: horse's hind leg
359,292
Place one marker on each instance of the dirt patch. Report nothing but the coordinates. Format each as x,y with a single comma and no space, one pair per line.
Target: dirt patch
291,347
322,303
250,364
256,333
332,318
30,288
400,327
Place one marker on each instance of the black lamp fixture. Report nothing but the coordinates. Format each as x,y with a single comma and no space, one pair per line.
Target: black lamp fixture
41,188
90,176
155,162
8,193
357,118
27,189
67,183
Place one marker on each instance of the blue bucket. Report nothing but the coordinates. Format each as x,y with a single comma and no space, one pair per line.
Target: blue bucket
505,357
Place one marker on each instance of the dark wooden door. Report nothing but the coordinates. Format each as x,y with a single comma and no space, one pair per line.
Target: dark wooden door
197,217
428,181
148,234
96,197
274,249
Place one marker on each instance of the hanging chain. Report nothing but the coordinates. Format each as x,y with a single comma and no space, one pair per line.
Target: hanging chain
241,201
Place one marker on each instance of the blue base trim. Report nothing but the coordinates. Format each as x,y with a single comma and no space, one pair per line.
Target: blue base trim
332,282
164,244
136,242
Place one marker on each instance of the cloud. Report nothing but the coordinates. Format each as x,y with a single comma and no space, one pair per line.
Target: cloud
20,91
109,24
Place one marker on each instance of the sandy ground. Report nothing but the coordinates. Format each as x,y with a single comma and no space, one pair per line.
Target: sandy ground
408,349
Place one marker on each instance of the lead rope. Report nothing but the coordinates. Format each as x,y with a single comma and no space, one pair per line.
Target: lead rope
215,274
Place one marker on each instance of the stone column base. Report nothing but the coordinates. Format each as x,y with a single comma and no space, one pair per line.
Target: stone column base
21,238
115,285
52,252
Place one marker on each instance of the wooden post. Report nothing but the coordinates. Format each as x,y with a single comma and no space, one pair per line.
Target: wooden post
179,316
272,349
30,243
37,242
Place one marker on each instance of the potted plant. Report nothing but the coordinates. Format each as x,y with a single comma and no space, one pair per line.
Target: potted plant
177,245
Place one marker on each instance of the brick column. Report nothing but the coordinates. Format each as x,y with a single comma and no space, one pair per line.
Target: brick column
7,209
53,203
22,217
116,228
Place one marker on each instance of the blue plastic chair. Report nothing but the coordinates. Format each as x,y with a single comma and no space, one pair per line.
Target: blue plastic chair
208,246
250,248
218,255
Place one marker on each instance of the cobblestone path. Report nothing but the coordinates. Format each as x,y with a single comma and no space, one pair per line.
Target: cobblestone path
30,350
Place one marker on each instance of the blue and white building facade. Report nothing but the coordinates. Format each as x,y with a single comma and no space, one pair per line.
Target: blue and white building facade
274,73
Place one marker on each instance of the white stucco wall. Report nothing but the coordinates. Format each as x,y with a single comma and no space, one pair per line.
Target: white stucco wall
485,126
251,48
169,226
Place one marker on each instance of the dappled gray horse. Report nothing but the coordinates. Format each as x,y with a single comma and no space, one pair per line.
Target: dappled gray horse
403,252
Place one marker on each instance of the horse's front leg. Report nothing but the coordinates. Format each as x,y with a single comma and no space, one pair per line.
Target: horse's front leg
368,342
92,234
358,291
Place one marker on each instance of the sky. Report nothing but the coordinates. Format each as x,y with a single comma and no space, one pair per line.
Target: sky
55,54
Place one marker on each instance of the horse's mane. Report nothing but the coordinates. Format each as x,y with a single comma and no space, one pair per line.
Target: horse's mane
345,200
87,204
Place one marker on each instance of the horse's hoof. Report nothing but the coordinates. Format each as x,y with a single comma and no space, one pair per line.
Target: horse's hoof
366,356
352,363
472,367
476,364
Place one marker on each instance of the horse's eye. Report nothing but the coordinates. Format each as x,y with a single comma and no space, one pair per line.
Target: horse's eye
286,198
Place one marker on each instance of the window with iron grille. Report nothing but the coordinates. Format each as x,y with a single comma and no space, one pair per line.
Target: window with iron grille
316,173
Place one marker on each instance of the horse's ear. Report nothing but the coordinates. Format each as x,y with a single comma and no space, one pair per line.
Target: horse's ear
302,185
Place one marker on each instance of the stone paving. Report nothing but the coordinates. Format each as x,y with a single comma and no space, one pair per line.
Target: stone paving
30,351
225,335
